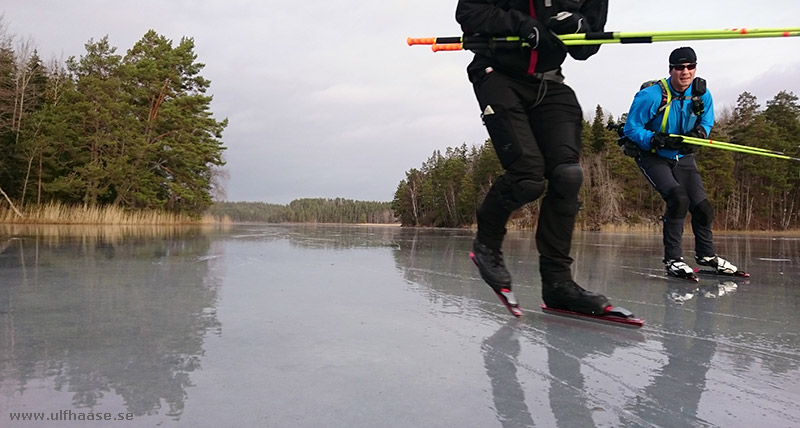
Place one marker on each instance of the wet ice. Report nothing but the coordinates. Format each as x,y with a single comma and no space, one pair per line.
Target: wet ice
304,325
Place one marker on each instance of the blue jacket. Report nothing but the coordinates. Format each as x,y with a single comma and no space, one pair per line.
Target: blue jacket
644,120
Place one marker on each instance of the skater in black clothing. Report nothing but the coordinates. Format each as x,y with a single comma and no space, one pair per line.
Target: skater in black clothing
534,121
680,105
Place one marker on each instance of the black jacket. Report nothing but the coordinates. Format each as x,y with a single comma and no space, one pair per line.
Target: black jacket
501,18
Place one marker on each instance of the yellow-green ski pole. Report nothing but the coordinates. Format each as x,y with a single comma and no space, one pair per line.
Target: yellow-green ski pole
734,147
470,42
680,37
722,143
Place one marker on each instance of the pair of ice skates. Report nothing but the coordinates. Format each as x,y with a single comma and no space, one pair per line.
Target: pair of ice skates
679,269
564,295
567,297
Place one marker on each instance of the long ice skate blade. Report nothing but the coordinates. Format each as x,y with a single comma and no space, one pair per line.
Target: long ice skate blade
693,278
737,274
614,316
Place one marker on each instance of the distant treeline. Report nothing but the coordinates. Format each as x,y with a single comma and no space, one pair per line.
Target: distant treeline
748,192
306,211
133,131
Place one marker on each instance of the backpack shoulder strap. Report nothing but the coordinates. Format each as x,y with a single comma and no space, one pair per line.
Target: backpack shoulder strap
699,86
698,90
666,101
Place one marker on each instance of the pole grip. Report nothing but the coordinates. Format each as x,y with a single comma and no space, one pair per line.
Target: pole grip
446,47
421,41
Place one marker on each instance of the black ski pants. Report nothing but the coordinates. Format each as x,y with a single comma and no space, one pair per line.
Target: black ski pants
681,187
535,127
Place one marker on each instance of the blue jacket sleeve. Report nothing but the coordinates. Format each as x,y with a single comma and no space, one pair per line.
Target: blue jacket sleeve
643,109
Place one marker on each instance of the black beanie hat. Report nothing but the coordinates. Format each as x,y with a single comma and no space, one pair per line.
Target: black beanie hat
682,55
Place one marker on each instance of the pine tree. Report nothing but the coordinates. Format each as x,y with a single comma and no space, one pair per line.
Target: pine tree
96,126
599,136
181,141
783,112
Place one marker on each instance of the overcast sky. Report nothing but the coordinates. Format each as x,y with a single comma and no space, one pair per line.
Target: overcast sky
325,98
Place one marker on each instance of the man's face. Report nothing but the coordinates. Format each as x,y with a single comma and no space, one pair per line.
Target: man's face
682,75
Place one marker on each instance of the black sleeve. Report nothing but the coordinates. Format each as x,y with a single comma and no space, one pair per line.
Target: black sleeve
486,17
595,12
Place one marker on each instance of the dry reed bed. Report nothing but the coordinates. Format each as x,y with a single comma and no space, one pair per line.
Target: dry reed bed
56,213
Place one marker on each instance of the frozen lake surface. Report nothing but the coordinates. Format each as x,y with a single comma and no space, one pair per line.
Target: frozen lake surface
327,326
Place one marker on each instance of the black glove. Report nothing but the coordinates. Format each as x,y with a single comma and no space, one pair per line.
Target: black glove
567,23
540,37
666,142
697,132
619,128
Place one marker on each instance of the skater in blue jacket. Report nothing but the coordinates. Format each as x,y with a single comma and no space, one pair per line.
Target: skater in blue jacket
678,105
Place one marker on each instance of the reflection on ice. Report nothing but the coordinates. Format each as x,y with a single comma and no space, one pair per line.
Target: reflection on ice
105,315
500,352
329,325
680,293
591,385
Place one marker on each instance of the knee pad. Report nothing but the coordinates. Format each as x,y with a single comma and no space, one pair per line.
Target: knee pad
565,184
566,180
518,191
677,203
527,190
703,213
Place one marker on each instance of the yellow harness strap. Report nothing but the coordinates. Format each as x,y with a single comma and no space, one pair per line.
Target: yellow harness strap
669,102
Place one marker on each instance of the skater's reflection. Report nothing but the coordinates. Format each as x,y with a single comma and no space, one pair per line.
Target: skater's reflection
500,353
569,406
566,349
679,294
673,397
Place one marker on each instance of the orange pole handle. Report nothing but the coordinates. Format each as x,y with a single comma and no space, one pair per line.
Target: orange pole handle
447,47
421,41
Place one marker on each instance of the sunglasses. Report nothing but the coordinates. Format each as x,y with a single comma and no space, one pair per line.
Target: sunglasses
681,67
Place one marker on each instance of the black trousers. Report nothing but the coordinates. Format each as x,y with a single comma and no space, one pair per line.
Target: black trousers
665,175
535,126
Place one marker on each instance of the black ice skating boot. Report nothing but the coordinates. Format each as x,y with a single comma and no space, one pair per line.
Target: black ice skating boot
568,295
491,266
493,270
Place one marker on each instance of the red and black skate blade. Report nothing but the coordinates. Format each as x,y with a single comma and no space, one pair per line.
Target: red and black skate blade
514,309
614,316
738,273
